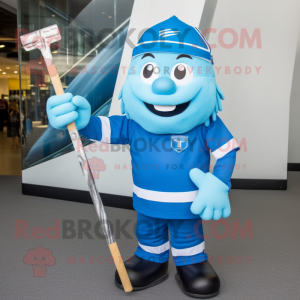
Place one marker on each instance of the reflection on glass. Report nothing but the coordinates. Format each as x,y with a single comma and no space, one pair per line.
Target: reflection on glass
87,58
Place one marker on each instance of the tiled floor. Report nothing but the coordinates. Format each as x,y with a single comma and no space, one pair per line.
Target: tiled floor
10,158
259,261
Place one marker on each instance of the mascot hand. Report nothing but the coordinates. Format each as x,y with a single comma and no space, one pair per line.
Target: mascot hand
212,200
64,109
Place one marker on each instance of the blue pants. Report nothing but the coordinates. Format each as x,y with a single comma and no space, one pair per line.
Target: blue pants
187,241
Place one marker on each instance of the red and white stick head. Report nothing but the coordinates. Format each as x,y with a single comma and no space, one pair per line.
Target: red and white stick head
41,39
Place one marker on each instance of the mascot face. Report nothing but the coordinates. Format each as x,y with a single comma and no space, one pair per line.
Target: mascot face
171,87
170,92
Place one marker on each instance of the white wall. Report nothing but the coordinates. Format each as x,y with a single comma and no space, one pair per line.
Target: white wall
256,109
256,106
4,86
294,134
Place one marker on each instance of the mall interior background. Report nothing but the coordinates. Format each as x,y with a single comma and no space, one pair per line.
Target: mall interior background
93,33
86,37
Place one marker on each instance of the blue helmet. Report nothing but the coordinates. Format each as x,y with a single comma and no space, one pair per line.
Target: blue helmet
174,36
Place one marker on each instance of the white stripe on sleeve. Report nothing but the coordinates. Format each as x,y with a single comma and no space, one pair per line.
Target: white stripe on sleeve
106,130
226,148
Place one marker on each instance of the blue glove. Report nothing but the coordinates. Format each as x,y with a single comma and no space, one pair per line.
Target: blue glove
212,200
64,109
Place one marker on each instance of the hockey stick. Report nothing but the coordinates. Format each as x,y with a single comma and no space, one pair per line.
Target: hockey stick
41,39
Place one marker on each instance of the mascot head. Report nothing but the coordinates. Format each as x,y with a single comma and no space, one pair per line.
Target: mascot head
171,85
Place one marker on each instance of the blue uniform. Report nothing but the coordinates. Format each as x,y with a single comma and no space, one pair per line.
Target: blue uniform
162,189
164,195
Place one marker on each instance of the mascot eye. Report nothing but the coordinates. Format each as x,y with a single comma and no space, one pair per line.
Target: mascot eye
182,74
149,72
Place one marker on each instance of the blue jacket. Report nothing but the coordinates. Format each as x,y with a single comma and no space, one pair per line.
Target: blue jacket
162,187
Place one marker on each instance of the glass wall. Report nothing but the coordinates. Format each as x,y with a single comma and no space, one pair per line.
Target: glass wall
87,58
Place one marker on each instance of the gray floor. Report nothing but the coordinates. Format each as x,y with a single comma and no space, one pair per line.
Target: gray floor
273,273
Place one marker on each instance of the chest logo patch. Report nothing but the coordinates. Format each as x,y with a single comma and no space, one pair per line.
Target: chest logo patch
179,142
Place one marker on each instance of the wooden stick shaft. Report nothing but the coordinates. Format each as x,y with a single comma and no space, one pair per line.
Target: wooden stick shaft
120,267
94,193
56,82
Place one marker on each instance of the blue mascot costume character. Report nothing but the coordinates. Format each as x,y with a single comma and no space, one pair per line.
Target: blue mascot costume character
170,102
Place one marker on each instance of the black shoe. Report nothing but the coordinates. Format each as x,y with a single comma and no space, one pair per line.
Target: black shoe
143,273
198,280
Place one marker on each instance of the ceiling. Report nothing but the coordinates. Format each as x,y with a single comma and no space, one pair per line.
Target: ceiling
11,3
8,49
9,66
8,23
